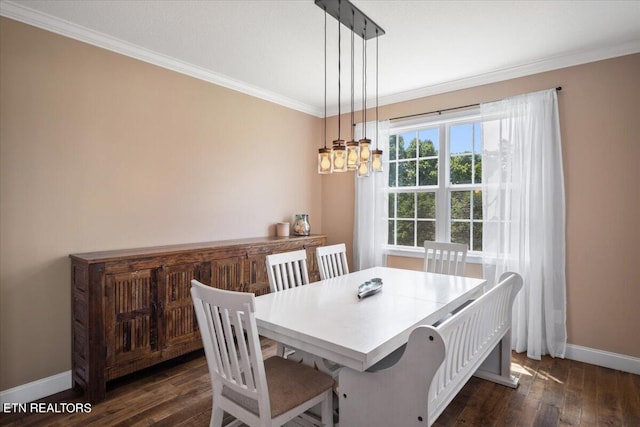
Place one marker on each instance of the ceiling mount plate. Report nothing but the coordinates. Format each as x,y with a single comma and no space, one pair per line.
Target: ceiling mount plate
352,17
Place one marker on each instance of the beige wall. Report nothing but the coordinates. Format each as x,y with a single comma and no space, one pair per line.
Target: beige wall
600,125
100,151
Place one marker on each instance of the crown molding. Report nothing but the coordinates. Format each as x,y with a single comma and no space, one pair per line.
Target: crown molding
56,25
47,22
535,67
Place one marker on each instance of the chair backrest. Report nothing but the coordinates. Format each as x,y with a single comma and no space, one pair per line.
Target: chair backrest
231,343
287,270
332,260
445,258
471,334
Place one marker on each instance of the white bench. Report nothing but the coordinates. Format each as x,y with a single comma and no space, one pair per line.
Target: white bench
416,383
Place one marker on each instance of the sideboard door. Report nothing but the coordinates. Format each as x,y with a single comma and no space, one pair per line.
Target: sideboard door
178,325
257,278
227,272
130,318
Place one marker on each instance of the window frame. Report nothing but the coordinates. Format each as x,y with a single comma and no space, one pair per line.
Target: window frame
444,188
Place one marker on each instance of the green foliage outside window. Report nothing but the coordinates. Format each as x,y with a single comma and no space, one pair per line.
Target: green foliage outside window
414,163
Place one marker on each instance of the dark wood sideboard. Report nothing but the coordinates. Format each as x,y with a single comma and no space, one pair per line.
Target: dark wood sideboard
132,308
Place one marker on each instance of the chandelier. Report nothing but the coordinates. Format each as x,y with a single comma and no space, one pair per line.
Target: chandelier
352,155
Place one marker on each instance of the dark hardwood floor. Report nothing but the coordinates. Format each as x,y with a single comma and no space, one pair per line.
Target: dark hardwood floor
552,392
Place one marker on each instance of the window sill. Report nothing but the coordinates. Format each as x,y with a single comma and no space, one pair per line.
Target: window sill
472,257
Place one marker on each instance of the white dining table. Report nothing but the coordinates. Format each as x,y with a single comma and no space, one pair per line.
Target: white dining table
327,319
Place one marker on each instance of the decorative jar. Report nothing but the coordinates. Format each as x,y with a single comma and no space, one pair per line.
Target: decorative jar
301,225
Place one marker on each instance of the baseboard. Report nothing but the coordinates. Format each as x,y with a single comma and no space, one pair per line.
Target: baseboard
38,389
60,382
603,358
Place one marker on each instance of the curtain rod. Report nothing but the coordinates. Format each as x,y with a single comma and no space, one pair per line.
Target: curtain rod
558,89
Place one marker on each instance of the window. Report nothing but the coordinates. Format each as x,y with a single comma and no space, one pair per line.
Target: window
435,182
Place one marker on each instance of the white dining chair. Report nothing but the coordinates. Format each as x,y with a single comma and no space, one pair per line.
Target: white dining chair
287,270
445,258
256,392
332,260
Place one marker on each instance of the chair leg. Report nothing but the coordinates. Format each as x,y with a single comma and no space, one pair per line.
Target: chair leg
327,409
280,349
216,416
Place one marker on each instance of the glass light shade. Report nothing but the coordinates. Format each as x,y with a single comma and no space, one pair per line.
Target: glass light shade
353,155
325,166
365,153
376,162
339,156
363,169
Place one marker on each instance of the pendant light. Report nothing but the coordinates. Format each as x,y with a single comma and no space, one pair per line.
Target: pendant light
354,155
339,147
353,148
376,161
325,163
365,143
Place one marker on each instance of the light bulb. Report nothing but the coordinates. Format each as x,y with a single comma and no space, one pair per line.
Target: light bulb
376,163
363,169
339,156
353,155
364,150
324,161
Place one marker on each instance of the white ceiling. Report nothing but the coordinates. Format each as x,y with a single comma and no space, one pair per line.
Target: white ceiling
274,49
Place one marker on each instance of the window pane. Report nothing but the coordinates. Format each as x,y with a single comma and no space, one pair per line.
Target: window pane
407,174
429,142
477,204
392,147
477,236
428,173
460,232
406,205
392,174
427,205
405,233
460,205
460,172
407,145
461,139
426,231
392,205
414,172
477,138
392,232
478,169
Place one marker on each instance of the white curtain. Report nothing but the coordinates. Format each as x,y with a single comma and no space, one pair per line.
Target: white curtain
524,215
371,205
